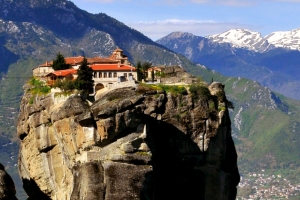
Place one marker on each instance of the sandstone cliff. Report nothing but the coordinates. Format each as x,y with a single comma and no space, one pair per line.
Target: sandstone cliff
132,143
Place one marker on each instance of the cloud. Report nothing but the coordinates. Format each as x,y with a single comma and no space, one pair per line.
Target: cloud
158,29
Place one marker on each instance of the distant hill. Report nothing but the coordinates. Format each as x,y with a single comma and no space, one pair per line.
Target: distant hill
265,126
243,53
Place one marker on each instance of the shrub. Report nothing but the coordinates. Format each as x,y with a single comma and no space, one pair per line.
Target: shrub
38,87
173,89
211,105
199,91
221,96
230,105
65,85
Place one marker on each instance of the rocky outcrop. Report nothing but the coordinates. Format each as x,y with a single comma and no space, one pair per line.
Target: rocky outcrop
7,186
176,74
132,143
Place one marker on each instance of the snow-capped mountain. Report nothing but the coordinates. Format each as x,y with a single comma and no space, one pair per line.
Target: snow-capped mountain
247,54
250,40
242,38
285,39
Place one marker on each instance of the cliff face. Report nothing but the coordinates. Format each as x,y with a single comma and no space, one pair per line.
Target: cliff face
132,143
7,186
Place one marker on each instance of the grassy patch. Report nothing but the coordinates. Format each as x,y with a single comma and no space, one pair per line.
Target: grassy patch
173,89
38,87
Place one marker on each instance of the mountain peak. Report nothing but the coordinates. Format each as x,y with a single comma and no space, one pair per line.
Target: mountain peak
242,38
285,39
177,35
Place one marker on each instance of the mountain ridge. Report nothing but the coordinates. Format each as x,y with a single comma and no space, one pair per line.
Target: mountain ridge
251,40
277,68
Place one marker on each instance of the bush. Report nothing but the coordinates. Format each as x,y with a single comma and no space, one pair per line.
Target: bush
38,87
199,92
230,105
65,85
173,89
221,96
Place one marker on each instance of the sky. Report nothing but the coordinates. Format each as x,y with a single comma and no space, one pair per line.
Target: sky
158,18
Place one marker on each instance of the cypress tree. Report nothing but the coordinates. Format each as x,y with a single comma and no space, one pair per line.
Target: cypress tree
152,74
139,72
84,81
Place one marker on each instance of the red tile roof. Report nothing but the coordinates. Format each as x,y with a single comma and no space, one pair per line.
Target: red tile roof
101,60
63,72
112,67
79,59
74,60
46,64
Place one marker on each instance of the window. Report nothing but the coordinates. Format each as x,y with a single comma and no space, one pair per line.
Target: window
109,74
100,74
95,74
115,74
105,75
125,75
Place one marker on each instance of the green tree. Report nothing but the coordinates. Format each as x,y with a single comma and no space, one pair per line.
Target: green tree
152,74
60,63
84,81
145,67
139,71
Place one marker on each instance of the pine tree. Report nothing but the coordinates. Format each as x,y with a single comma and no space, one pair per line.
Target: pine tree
84,81
60,63
139,71
152,74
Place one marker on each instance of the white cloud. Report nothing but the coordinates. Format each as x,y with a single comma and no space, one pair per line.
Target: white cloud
159,29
